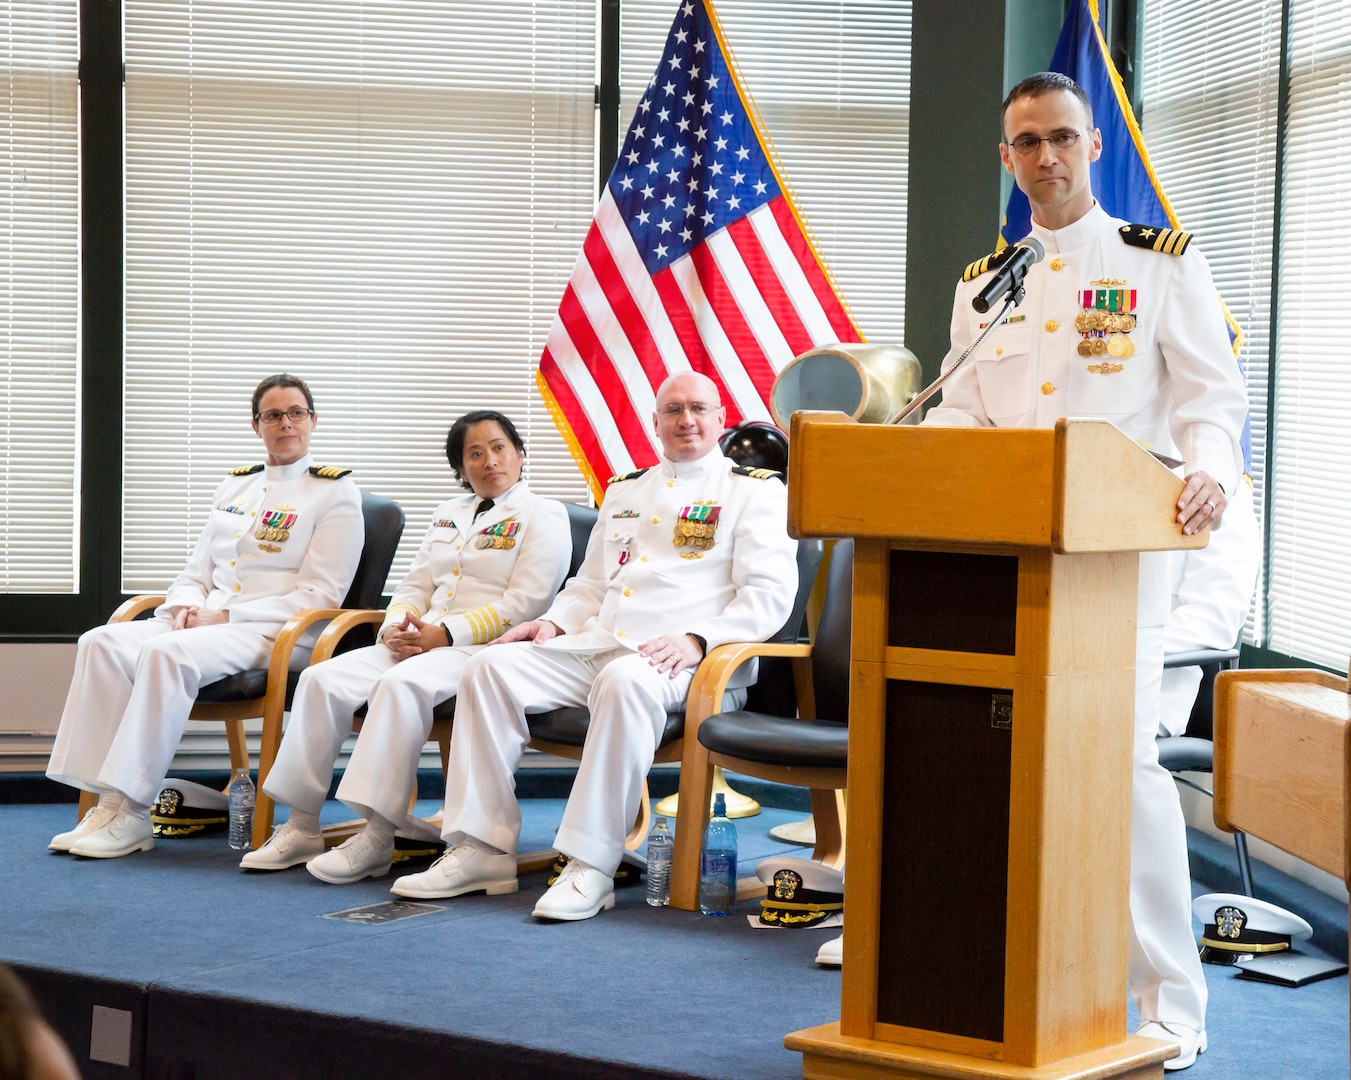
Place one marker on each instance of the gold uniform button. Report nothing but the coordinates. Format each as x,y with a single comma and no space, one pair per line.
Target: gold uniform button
232,562
628,592
642,558
264,487
456,571
670,483
238,535
238,586
656,520
1057,264
621,634
999,351
449,594
1052,326
1048,388
253,513
458,546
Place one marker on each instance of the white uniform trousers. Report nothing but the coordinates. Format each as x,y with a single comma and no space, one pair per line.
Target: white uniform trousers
1166,979
1212,591
129,699
382,770
628,700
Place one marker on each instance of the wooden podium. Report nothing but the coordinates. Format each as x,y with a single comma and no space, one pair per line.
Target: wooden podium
992,685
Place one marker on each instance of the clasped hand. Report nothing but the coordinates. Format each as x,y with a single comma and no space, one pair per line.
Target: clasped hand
413,636
189,616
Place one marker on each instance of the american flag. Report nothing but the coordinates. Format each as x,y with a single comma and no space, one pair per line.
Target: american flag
697,259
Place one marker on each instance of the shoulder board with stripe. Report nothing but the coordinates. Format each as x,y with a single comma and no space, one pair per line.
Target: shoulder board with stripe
329,472
759,474
1169,241
246,470
984,265
627,476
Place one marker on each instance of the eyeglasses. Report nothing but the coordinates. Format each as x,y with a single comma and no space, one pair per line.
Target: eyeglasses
696,408
1030,144
295,414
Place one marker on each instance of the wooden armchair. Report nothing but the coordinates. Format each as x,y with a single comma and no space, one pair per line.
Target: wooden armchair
805,745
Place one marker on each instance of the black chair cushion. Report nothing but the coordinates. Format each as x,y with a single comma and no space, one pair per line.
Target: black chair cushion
777,740
243,685
1185,754
568,726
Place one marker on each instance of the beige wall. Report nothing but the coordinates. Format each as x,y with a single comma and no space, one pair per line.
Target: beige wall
33,681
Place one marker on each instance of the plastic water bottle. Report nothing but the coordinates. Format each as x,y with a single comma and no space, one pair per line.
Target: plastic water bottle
717,879
242,798
659,846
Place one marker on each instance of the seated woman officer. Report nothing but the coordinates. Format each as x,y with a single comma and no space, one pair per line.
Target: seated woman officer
282,537
490,559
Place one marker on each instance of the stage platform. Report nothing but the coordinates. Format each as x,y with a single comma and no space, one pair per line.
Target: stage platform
228,974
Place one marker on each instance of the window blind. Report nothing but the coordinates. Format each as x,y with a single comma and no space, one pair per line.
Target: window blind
831,79
384,198
1209,114
1310,574
39,298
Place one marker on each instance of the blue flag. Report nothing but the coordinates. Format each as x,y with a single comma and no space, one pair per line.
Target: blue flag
1124,181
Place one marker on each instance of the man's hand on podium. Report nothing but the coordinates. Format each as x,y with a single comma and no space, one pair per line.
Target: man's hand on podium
1202,503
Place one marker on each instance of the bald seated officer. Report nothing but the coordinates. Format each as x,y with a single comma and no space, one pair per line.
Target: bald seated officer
685,556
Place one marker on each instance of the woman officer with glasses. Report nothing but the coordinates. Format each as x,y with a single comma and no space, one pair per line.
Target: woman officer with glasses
282,537
493,558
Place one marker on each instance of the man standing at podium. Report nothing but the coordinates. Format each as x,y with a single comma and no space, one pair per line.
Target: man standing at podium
1121,322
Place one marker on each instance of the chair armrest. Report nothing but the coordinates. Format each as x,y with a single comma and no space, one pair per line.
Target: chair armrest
137,605
716,670
1199,657
341,623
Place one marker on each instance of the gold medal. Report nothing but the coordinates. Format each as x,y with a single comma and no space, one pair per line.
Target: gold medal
483,542
1083,322
1114,345
680,539
508,542
1127,348
1099,347
1085,347
1127,323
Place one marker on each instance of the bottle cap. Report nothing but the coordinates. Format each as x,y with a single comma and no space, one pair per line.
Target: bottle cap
719,805
660,821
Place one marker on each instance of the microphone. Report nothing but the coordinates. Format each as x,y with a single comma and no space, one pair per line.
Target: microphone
1009,277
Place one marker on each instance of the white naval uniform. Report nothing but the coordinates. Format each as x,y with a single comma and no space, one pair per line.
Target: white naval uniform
636,584
1212,592
465,578
134,683
1181,394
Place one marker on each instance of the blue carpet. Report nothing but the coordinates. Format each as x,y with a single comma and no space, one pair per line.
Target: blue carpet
657,992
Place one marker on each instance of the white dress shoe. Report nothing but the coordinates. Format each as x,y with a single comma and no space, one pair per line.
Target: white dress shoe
462,869
120,835
1189,1042
580,892
355,858
831,953
287,846
95,818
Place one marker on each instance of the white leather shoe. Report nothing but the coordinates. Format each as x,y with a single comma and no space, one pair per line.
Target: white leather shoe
580,892
355,858
95,818
1189,1042
287,846
831,953
120,835
462,869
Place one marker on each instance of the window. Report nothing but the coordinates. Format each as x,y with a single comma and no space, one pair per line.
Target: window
1310,572
1211,132
39,298
383,198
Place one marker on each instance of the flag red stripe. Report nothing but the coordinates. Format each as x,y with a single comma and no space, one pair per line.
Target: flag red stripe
624,306
682,321
745,347
578,420
775,296
608,381
825,295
